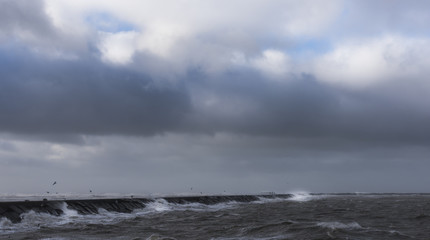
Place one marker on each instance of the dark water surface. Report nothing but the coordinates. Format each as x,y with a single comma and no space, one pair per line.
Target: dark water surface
350,216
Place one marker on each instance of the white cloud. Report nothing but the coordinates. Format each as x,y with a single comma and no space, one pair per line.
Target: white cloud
203,34
159,39
273,63
371,61
311,18
118,48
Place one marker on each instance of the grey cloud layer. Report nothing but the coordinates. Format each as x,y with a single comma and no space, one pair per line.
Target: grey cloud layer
374,17
27,24
62,97
238,164
87,97
24,16
43,95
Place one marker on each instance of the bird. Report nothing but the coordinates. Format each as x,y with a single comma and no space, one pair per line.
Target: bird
55,182
91,191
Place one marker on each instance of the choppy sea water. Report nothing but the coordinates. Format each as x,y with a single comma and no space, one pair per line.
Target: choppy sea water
303,216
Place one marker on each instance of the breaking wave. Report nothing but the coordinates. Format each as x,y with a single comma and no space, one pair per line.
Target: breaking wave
31,215
305,196
299,215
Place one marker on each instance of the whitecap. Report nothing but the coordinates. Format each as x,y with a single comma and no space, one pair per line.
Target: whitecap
302,197
159,205
6,226
339,225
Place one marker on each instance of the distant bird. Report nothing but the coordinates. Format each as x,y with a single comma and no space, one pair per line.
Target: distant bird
91,191
54,183
47,192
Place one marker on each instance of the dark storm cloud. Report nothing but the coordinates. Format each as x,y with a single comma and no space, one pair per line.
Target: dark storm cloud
259,106
304,107
42,96
83,97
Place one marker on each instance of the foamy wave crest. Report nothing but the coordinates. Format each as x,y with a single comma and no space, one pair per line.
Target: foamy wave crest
263,200
205,207
339,225
4,222
35,220
302,197
6,225
161,205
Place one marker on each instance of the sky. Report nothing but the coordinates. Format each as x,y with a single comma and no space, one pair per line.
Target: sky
216,96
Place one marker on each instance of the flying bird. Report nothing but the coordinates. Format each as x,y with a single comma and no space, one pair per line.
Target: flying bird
55,182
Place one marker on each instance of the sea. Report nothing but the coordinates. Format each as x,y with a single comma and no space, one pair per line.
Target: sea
297,216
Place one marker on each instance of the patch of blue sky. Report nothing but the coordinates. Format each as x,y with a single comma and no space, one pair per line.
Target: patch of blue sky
310,46
298,46
106,22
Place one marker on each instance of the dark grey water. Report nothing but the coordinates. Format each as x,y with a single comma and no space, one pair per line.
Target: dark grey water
302,217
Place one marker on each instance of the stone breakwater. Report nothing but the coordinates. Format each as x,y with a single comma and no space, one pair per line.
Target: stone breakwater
13,210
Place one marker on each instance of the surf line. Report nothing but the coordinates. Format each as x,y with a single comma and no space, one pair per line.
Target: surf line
13,210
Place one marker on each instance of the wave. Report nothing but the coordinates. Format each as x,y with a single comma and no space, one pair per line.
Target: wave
339,225
305,196
18,211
